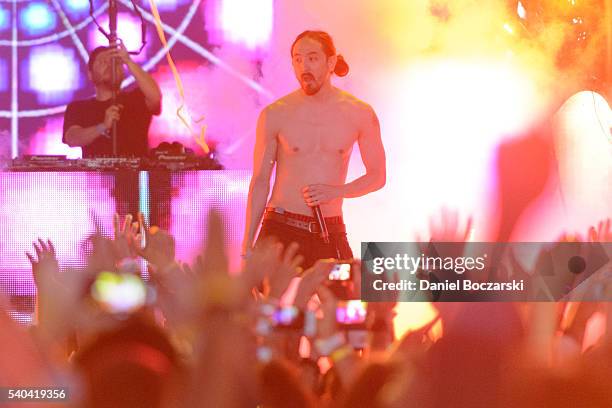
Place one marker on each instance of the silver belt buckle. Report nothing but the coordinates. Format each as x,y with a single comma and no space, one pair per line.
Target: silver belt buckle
312,224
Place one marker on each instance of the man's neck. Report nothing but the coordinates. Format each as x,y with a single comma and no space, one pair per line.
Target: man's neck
103,93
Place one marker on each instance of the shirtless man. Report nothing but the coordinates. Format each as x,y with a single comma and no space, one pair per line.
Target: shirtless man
309,135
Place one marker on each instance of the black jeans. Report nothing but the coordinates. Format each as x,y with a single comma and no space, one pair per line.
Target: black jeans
312,247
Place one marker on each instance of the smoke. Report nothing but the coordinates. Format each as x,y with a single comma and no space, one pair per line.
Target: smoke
378,39
449,80
222,102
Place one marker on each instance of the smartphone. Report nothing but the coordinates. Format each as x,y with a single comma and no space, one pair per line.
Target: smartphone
340,272
288,317
351,314
119,293
339,280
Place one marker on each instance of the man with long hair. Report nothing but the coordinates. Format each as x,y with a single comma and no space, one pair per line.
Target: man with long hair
309,136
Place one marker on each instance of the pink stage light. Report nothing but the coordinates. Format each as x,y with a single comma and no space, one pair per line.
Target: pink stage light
167,126
199,192
48,140
244,22
227,106
4,75
78,6
168,5
50,205
54,73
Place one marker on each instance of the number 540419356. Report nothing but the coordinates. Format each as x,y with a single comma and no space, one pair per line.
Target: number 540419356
33,394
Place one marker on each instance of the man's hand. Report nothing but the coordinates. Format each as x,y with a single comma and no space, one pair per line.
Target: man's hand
448,228
245,253
56,295
160,247
45,262
603,233
264,258
287,269
317,194
312,279
327,326
121,53
125,237
113,113
144,80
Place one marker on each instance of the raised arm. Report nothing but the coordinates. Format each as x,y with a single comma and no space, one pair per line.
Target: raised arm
373,157
264,159
144,80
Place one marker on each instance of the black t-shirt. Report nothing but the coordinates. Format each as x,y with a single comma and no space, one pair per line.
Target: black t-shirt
132,127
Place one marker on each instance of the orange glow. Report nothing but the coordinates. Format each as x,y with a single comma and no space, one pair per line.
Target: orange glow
413,316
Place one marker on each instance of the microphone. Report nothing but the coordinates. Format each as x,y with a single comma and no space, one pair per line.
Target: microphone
316,210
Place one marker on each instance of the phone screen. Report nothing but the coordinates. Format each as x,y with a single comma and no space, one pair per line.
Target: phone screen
119,293
288,317
351,312
341,272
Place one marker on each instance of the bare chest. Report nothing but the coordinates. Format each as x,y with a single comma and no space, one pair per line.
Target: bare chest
308,132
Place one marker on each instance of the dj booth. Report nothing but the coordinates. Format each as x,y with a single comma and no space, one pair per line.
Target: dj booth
58,199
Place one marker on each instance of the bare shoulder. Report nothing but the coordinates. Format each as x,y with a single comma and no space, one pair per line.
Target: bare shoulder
274,115
358,106
361,111
284,103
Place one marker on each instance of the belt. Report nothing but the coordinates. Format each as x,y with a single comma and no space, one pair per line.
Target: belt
334,224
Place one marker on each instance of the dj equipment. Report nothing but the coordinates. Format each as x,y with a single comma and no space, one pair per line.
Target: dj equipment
160,162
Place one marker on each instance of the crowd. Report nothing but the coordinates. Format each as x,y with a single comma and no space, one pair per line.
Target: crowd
272,336
200,337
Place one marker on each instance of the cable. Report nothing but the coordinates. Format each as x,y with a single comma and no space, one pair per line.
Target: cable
143,28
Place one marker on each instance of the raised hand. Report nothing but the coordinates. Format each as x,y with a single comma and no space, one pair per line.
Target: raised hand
120,52
603,233
45,263
288,268
311,280
447,228
125,236
56,294
264,258
327,325
159,247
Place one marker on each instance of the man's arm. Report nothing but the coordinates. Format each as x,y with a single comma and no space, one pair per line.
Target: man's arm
77,135
373,157
264,159
145,81
80,136
148,86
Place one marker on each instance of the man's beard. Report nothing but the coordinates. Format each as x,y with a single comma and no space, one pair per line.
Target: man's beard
310,87
108,83
105,79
